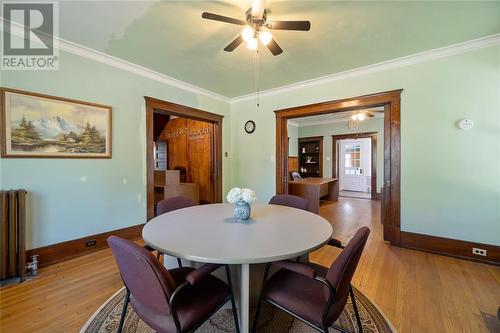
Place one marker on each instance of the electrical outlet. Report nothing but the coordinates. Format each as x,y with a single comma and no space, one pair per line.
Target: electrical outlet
479,252
90,243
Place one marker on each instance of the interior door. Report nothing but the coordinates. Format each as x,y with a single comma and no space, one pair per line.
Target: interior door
352,173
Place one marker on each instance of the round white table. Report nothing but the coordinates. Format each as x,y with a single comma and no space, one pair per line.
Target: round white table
209,234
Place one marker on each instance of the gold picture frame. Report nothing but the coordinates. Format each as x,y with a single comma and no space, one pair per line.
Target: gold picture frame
42,126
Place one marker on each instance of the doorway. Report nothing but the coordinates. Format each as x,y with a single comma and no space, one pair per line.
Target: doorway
390,191
183,153
355,164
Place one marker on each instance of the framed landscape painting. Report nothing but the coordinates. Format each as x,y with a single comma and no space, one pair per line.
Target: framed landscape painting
35,125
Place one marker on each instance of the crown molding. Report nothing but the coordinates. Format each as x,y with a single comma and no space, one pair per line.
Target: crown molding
101,57
293,123
442,52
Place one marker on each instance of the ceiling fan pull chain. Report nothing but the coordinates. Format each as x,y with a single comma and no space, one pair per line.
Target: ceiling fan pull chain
256,66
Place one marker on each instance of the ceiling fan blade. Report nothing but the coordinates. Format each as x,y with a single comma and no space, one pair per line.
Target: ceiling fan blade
258,7
289,25
226,19
369,114
234,44
274,47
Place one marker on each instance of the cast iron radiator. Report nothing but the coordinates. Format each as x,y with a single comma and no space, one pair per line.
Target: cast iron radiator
12,234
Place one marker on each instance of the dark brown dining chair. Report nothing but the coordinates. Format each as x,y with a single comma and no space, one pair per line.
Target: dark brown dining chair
168,205
312,293
289,200
173,203
177,300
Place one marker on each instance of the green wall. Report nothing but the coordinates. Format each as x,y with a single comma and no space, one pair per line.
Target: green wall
450,178
327,130
72,198
450,183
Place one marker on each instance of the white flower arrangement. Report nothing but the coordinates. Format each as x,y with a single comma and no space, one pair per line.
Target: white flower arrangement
241,194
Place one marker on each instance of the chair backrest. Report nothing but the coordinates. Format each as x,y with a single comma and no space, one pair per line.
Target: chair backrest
150,284
295,175
289,200
342,270
170,204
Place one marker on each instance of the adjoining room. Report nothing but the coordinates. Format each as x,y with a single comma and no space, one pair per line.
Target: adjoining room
342,147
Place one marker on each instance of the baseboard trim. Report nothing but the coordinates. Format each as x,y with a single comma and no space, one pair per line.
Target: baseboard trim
450,247
55,253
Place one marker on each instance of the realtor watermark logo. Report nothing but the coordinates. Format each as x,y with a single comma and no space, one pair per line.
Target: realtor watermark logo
28,36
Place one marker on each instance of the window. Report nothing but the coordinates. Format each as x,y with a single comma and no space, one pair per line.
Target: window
352,161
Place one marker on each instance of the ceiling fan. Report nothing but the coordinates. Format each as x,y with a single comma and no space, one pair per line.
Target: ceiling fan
258,28
363,114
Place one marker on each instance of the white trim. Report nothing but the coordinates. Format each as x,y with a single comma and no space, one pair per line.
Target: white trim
293,123
442,52
446,51
107,59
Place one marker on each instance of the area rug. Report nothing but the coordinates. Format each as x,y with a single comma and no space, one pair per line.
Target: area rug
271,320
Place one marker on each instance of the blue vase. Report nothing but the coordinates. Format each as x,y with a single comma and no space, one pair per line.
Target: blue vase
242,210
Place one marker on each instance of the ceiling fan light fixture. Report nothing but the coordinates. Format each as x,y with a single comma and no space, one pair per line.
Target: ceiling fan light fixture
354,117
247,34
252,44
361,116
258,7
265,37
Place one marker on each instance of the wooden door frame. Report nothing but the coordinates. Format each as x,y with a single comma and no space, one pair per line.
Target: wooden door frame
336,160
153,106
391,101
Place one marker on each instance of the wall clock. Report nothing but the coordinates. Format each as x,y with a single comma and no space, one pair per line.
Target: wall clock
353,124
250,126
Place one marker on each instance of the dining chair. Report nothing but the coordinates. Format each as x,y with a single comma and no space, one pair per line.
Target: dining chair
173,203
312,293
178,300
289,200
168,205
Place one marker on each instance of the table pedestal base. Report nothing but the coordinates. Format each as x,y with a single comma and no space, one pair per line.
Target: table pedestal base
247,283
244,298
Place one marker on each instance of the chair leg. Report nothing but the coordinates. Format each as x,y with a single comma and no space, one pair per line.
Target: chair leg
358,319
233,302
261,298
124,311
179,262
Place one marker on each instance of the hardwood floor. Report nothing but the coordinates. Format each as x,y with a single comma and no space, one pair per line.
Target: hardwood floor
419,292
355,194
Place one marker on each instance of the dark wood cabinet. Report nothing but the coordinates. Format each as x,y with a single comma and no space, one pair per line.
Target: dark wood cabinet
311,157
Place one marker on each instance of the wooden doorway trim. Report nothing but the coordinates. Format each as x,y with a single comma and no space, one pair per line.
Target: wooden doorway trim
373,162
391,101
153,106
